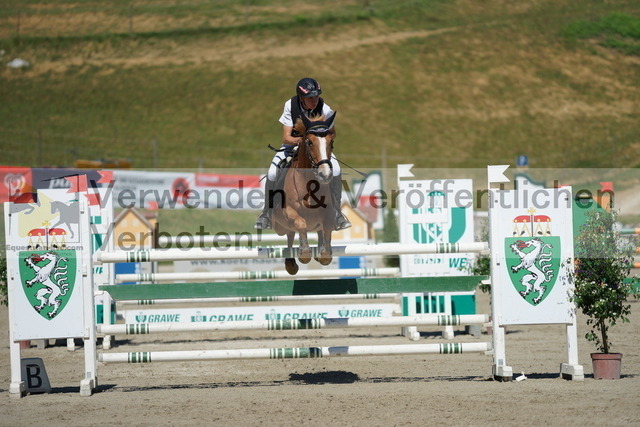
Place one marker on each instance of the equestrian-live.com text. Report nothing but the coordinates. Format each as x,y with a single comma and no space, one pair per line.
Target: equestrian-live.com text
17,248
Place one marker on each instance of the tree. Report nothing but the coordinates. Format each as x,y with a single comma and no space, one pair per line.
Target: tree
603,262
3,279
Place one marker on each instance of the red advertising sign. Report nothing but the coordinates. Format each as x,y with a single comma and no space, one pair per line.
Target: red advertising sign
14,182
227,181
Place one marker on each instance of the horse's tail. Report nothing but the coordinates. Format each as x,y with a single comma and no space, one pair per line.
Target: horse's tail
60,275
545,262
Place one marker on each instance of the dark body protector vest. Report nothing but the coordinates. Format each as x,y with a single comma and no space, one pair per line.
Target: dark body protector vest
296,112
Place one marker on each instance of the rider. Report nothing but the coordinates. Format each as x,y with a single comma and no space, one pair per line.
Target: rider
308,102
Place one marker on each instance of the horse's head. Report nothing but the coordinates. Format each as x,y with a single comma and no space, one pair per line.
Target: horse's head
318,144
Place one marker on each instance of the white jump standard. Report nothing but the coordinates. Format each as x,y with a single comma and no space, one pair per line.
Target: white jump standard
515,298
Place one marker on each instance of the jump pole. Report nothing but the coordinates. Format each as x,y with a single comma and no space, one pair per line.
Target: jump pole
293,353
223,239
297,324
275,252
629,231
260,299
256,275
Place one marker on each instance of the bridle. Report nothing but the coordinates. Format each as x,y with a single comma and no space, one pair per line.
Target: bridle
318,131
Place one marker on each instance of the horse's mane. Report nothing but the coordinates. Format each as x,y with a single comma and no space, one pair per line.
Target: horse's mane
299,126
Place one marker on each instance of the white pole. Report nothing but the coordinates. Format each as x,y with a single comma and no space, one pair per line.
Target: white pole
256,275
501,370
89,382
294,353
223,239
259,299
283,252
18,385
323,323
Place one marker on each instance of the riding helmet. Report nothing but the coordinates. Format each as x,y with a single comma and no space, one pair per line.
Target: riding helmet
308,87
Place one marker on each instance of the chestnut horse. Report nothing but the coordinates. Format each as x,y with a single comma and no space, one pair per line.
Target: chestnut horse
307,204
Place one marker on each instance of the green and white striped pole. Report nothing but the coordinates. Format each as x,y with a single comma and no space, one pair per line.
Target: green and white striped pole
629,231
293,353
277,252
258,275
290,324
258,299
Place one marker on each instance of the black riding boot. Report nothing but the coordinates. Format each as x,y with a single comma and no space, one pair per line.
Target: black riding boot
336,196
264,220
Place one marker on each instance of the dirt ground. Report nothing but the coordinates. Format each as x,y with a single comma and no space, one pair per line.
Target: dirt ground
354,391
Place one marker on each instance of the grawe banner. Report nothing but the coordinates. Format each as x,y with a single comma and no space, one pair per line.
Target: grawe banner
249,313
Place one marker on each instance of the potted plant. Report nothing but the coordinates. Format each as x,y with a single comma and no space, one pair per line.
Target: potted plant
602,287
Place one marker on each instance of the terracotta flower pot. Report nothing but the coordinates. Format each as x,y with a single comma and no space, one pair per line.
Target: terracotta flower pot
606,366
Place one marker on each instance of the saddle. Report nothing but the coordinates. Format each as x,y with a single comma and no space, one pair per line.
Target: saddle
283,166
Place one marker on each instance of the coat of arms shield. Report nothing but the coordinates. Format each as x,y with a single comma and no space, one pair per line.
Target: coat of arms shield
48,279
533,256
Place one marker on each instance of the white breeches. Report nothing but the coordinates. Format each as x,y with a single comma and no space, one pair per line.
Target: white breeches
273,168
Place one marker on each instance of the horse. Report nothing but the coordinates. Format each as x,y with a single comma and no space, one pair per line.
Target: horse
69,215
28,206
306,201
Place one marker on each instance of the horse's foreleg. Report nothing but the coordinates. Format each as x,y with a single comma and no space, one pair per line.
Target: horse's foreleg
324,247
304,251
290,263
320,243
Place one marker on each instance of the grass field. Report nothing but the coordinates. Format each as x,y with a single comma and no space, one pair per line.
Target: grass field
462,83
